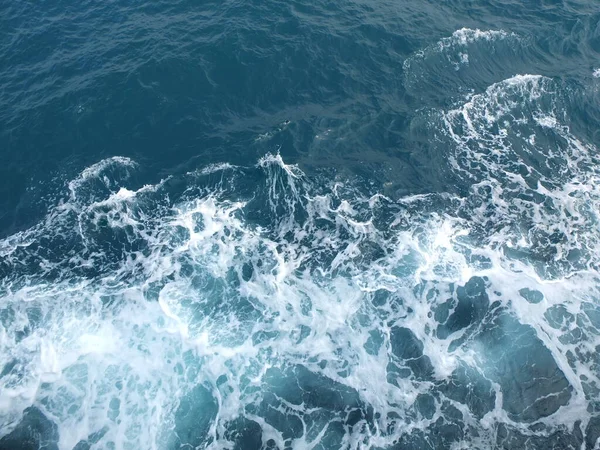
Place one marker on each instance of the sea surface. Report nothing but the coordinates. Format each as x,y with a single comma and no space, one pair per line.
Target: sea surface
340,224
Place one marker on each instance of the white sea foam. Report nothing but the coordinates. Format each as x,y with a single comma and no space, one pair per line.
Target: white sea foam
466,36
94,171
158,302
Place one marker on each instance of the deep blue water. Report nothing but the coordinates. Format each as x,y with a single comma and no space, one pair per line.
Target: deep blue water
300,225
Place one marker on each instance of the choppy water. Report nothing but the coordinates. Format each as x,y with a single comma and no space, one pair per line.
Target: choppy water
300,225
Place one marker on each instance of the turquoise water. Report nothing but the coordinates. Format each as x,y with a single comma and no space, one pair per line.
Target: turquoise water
266,225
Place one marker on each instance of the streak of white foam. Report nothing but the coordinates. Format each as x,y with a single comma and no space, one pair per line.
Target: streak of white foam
219,167
455,48
466,36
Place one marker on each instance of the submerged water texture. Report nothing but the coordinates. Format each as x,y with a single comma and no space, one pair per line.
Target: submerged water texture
286,225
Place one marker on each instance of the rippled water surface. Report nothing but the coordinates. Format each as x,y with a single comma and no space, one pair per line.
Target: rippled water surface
300,225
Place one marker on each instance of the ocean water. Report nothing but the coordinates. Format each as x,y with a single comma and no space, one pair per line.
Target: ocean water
300,225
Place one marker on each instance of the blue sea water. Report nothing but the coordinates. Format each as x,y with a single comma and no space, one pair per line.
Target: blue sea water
300,225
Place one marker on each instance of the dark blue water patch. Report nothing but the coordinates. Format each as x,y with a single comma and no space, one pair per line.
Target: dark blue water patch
34,432
533,386
245,434
407,347
592,432
469,308
467,386
193,419
92,439
532,296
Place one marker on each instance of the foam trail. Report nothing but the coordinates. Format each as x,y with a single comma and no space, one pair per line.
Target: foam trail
306,314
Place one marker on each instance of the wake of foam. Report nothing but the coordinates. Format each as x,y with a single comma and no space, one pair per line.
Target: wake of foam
240,307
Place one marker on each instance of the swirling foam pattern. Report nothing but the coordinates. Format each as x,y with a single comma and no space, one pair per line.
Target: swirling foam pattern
326,229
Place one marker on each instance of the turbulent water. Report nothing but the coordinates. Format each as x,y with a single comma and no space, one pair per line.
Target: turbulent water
300,225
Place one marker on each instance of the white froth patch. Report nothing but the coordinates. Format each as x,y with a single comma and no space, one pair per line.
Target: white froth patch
596,73
439,256
466,36
145,339
546,121
124,194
